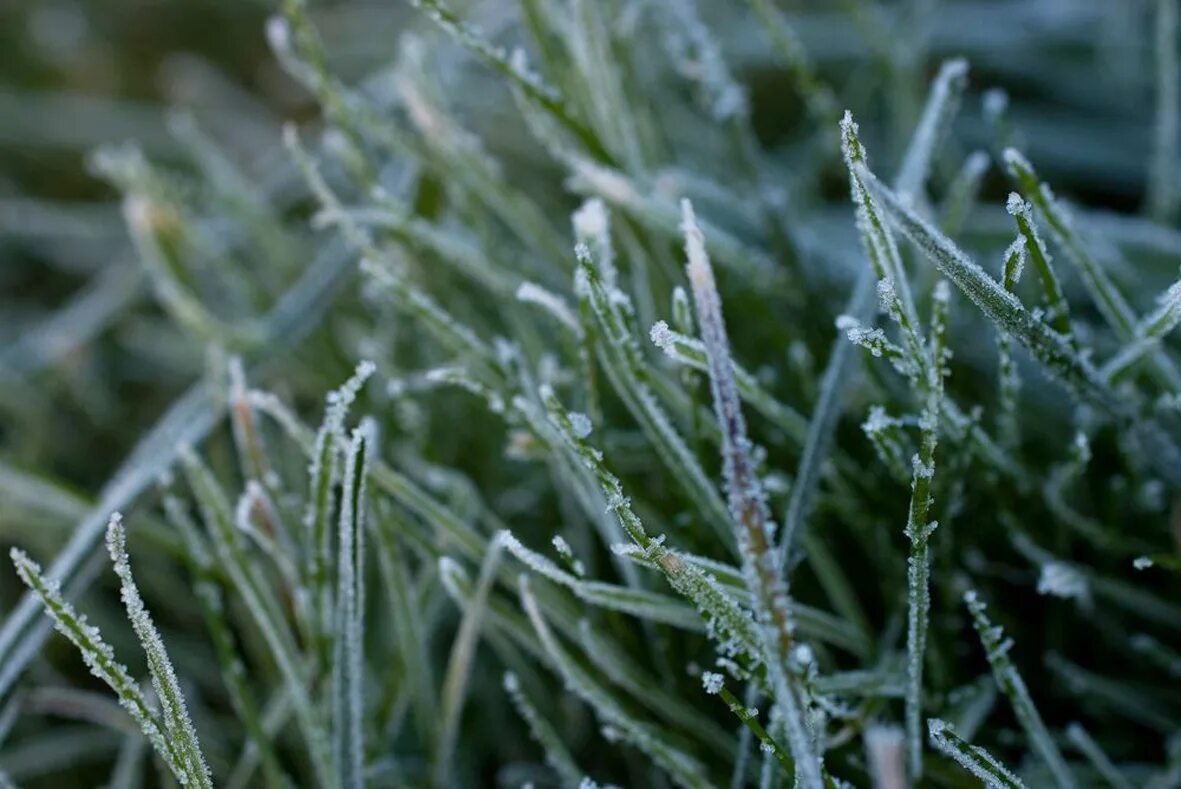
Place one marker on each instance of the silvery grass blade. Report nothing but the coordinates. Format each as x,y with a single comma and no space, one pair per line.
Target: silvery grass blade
919,528
348,663
972,758
748,507
100,659
323,475
1008,679
178,727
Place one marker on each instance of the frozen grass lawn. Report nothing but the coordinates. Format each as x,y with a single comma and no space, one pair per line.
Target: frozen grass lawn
682,426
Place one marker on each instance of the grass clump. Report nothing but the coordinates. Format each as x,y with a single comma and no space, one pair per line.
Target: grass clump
663,380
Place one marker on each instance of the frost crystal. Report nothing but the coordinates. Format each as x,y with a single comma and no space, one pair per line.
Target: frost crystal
661,335
1062,580
580,424
712,682
1142,562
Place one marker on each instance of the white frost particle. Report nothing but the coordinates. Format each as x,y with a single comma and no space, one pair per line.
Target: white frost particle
590,221
561,546
511,683
278,34
847,323
1062,580
661,335
766,747
1142,562
580,424
712,682
996,101
1015,205
922,470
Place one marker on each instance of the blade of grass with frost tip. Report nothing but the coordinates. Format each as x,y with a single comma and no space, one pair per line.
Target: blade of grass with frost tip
625,368
919,529
943,102
556,754
460,660
1008,376
323,472
1000,306
186,422
99,658
1103,292
208,593
178,727
265,611
511,68
733,629
1163,172
1082,740
972,758
748,507
996,649
714,685
878,241
348,664
1057,308
683,768
637,602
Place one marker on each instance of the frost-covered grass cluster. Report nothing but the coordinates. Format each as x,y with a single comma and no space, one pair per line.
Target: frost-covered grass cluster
642,392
